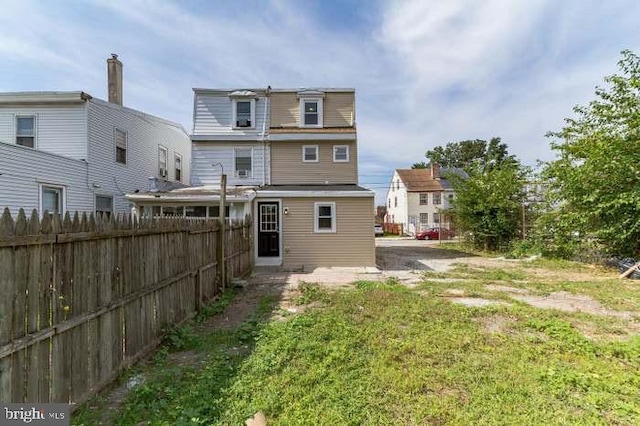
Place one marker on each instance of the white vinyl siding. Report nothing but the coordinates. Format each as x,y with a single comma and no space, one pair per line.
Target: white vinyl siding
214,116
205,154
59,130
143,134
19,189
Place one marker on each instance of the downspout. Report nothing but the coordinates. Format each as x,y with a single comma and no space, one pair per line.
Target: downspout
264,138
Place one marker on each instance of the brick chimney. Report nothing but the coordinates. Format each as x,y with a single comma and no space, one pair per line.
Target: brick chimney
114,77
435,171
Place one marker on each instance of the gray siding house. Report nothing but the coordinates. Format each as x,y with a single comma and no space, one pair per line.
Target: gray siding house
69,151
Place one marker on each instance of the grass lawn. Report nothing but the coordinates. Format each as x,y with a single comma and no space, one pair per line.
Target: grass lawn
383,354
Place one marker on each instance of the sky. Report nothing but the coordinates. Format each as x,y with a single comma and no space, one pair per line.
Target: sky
426,72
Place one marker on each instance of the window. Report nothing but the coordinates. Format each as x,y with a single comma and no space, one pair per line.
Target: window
214,211
395,201
325,217
52,199
195,211
311,112
389,202
340,153
172,211
243,161
177,161
121,146
437,198
424,199
104,205
436,218
450,196
26,130
243,113
424,218
310,153
162,161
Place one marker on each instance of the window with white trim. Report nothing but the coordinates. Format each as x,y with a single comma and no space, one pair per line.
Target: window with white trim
120,137
324,217
52,199
424,198
437,198
310,153
424,218
436,218
311,112
244,113
177,163
395,201
162,161
104,205
243,162
341,153
26,130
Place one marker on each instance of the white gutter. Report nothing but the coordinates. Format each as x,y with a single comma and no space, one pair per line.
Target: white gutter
311,193
264,137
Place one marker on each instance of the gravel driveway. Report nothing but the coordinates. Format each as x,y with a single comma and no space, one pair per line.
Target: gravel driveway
394,255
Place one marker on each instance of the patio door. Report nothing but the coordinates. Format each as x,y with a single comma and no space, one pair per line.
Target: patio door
268,229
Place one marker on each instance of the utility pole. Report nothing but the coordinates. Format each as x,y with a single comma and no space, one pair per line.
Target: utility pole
223,230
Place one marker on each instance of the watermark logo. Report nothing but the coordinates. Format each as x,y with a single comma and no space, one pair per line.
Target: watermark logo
39,414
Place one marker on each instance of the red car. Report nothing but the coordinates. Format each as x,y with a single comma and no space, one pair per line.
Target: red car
434,234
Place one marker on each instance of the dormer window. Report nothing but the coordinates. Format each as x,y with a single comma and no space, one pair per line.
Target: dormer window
244,109
311,108
243,114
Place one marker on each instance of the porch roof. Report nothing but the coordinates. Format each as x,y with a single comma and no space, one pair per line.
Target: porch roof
193,194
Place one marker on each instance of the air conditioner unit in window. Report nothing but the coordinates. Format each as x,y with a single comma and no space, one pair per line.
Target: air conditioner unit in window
163,172
243,123
243,173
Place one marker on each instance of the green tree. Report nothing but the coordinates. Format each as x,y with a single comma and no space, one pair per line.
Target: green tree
594,181
466,154
420,165
488,202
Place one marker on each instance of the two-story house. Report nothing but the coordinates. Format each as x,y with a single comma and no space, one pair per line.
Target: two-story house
69,151
418,199
291,161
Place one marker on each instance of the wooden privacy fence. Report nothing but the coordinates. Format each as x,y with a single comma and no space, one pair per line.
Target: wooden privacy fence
83,298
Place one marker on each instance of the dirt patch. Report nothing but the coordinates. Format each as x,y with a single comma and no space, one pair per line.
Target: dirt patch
565,301
506,289
476,302
454,292
497,324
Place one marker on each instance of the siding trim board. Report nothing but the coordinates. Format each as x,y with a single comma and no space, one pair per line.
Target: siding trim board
312,136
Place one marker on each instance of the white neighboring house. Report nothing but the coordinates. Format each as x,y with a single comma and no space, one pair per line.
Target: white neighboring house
418,199
68,151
